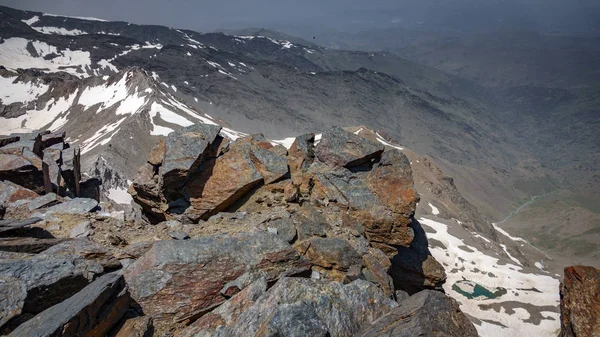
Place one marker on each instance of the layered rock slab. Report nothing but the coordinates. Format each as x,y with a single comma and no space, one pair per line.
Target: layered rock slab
296,307
180,280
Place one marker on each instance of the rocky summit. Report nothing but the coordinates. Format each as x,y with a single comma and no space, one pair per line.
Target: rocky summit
580,302
232,237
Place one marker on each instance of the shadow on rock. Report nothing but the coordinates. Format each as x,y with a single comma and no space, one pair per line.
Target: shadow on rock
414,268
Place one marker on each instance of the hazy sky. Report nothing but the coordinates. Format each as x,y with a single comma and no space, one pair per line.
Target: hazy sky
330,14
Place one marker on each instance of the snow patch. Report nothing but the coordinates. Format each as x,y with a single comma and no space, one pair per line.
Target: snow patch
119,195
14,54
434,210
14,91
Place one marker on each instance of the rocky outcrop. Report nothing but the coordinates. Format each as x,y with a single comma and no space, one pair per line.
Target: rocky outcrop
239,237
580,302
428,313
178,281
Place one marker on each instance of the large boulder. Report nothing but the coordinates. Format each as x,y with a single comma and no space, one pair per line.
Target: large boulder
92,312
178,281
296,307
223,180
428,313
580,302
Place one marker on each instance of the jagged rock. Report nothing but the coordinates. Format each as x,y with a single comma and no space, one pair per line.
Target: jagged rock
91,312
46,200
82,230
86,249
135,327
181,280
146,191
391,180
344,149
428,313
580,302
186,151
224,180
27,245
297,307
158,153
51,171
9,225
74,206
47,280
70,169
300,156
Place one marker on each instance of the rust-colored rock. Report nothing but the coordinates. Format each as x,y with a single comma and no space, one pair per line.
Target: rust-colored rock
580,302
223,181
157,155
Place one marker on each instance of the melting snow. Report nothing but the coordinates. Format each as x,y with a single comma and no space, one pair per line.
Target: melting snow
20,91
475,266
434,210
59,31
384,142
38,119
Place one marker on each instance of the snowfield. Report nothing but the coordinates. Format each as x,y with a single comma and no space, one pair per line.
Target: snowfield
14,54
527,300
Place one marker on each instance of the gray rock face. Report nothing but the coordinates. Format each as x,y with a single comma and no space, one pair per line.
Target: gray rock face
297,307
181,279
91,312
342,148
86,249
428,313
179,235
186,150
75,206
46,280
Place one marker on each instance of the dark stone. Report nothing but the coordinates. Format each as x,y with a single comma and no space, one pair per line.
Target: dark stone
91,312
47,280
27,244
428,313
8,225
